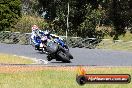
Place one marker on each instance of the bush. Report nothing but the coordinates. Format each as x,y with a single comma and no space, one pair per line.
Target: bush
26,22
10,12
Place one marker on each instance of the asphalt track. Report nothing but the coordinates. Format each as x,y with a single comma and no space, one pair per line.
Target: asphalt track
82,56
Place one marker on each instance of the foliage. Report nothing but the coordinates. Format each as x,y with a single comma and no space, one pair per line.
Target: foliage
81,17
25,23
84,16
120,15
116,13
10,12
93,18
30,7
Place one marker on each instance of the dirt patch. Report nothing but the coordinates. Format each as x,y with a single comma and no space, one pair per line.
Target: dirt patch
17,68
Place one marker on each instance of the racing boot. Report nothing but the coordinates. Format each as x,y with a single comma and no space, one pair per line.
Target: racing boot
44,50
66,48
36,47
49,58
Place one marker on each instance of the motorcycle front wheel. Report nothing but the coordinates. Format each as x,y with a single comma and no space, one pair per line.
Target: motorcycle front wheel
64,57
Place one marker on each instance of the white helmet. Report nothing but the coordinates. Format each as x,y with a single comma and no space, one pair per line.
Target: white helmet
34,28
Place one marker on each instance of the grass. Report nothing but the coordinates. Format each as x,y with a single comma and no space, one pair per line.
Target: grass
124,46
125,38
10,59
62,78
121,45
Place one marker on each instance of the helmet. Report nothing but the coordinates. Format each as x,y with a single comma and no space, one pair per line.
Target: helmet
34,28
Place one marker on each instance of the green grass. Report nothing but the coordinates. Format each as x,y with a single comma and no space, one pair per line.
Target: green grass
121,45
10,59
124,46
58,79
126,37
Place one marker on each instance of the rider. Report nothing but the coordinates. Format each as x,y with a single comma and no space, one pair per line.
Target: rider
36,36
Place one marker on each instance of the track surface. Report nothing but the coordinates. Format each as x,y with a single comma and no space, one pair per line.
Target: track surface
82,56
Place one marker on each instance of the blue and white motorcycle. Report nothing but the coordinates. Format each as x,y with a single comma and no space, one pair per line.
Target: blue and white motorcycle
55,50
61,42
55,38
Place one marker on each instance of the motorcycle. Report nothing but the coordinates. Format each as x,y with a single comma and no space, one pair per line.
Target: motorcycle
62,43
55,51
57,40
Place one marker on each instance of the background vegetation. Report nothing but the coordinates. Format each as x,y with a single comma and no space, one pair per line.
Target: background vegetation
87,18
10,11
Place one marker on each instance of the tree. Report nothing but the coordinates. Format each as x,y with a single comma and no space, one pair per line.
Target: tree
31,7
48,6
83,19
120,15
76,14
92,19
10,12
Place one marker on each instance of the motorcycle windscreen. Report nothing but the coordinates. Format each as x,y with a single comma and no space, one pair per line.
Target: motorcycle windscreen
52,47
59,41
